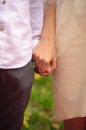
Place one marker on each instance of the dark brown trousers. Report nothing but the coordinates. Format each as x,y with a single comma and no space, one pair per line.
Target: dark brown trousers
15,89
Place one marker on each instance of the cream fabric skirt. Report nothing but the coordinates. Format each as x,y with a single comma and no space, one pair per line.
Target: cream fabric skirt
69,79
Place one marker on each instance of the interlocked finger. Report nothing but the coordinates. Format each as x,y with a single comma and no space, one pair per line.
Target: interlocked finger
41,65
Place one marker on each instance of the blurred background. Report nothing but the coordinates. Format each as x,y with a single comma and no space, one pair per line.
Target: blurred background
38,115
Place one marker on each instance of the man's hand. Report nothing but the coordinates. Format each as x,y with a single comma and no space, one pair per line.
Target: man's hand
44,56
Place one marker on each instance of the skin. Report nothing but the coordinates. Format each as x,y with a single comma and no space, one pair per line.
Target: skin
44,54
78,123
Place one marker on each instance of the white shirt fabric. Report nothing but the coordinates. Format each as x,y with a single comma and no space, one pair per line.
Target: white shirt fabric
20,28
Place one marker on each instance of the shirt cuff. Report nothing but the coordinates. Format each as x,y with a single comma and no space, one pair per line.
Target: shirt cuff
35,42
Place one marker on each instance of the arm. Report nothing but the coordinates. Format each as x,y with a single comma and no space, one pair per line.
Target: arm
44,53
49,28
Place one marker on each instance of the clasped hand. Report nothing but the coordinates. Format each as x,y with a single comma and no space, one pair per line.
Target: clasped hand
44,57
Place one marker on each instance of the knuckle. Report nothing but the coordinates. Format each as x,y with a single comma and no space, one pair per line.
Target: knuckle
47,61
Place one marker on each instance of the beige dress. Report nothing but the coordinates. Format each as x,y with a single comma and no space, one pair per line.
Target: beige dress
69,79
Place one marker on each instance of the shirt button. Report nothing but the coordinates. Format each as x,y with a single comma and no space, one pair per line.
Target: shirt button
4,1
1,29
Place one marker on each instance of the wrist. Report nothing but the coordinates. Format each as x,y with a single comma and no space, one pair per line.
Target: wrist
47,38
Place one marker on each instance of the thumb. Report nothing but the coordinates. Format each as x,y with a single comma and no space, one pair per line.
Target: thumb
53,64
49,69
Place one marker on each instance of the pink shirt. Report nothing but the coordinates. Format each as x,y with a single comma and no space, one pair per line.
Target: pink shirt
20,28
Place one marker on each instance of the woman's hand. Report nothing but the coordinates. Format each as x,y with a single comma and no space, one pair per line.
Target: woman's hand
44,56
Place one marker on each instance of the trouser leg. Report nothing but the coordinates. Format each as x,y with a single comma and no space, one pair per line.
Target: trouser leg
15,89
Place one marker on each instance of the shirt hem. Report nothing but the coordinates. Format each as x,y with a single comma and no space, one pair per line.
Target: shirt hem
16,66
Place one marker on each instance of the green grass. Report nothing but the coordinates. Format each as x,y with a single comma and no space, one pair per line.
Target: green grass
38,115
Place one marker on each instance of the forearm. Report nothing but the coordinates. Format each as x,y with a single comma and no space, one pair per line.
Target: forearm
49,27
44,53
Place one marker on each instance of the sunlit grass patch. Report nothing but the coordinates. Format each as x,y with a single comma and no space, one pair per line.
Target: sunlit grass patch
38,115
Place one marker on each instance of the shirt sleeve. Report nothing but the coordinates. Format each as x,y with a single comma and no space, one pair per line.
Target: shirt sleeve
36,14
